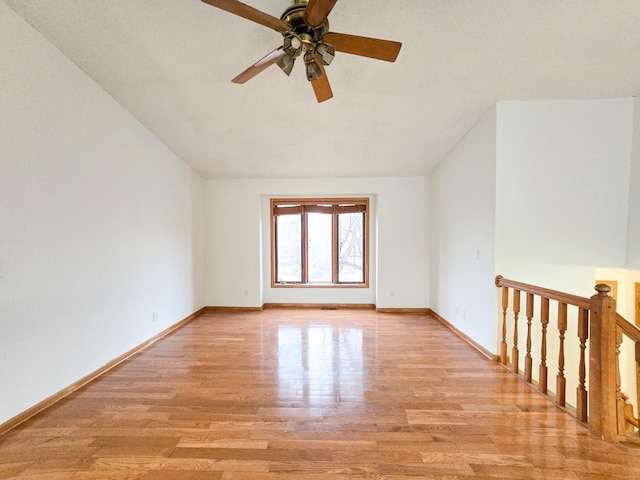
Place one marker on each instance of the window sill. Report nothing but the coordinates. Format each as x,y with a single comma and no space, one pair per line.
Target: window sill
319,285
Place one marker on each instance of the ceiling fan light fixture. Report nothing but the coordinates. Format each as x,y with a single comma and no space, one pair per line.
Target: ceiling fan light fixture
286,64
325,53
292,44
314,72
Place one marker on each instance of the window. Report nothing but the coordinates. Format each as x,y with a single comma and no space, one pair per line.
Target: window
319,242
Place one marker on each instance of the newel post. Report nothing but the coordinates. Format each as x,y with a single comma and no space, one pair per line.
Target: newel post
603,368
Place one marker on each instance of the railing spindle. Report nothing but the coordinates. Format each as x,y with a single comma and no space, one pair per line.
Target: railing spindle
637,351
561,381
583,335
515,354
528,361
505,305
619,398
630,421
544,320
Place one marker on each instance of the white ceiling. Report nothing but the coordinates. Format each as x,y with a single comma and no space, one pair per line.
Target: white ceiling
170,63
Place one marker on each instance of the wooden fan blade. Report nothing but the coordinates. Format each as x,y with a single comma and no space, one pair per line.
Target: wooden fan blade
317,11
250,13
364,46
260,65
321,86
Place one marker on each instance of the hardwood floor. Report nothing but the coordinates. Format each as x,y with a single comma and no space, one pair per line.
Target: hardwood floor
309,394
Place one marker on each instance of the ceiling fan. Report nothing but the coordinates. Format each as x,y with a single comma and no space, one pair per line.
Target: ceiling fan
305,30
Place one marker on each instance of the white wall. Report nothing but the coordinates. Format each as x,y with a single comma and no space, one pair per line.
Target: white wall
561,204
232,266
562,190
96,223
238,235
633,250
462,234
559,171
627,304
196,216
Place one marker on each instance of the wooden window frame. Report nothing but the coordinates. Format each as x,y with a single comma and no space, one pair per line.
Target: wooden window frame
333,206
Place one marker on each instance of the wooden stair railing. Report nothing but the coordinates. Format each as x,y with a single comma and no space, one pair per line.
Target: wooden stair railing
598,328
627,422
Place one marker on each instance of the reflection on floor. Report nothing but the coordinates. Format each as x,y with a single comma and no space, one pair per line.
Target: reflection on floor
320,362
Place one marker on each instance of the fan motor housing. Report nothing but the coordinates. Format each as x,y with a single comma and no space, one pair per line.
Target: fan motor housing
294,16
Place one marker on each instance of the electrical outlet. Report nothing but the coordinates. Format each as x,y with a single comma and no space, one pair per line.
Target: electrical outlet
154,316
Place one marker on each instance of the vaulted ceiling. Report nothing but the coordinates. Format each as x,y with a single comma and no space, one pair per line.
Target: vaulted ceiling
170,62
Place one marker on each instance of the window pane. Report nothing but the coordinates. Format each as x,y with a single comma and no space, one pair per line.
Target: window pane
289,248
351,247
319,225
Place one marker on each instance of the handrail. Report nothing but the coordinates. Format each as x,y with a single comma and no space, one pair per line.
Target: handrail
628,328
632,420
562,297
